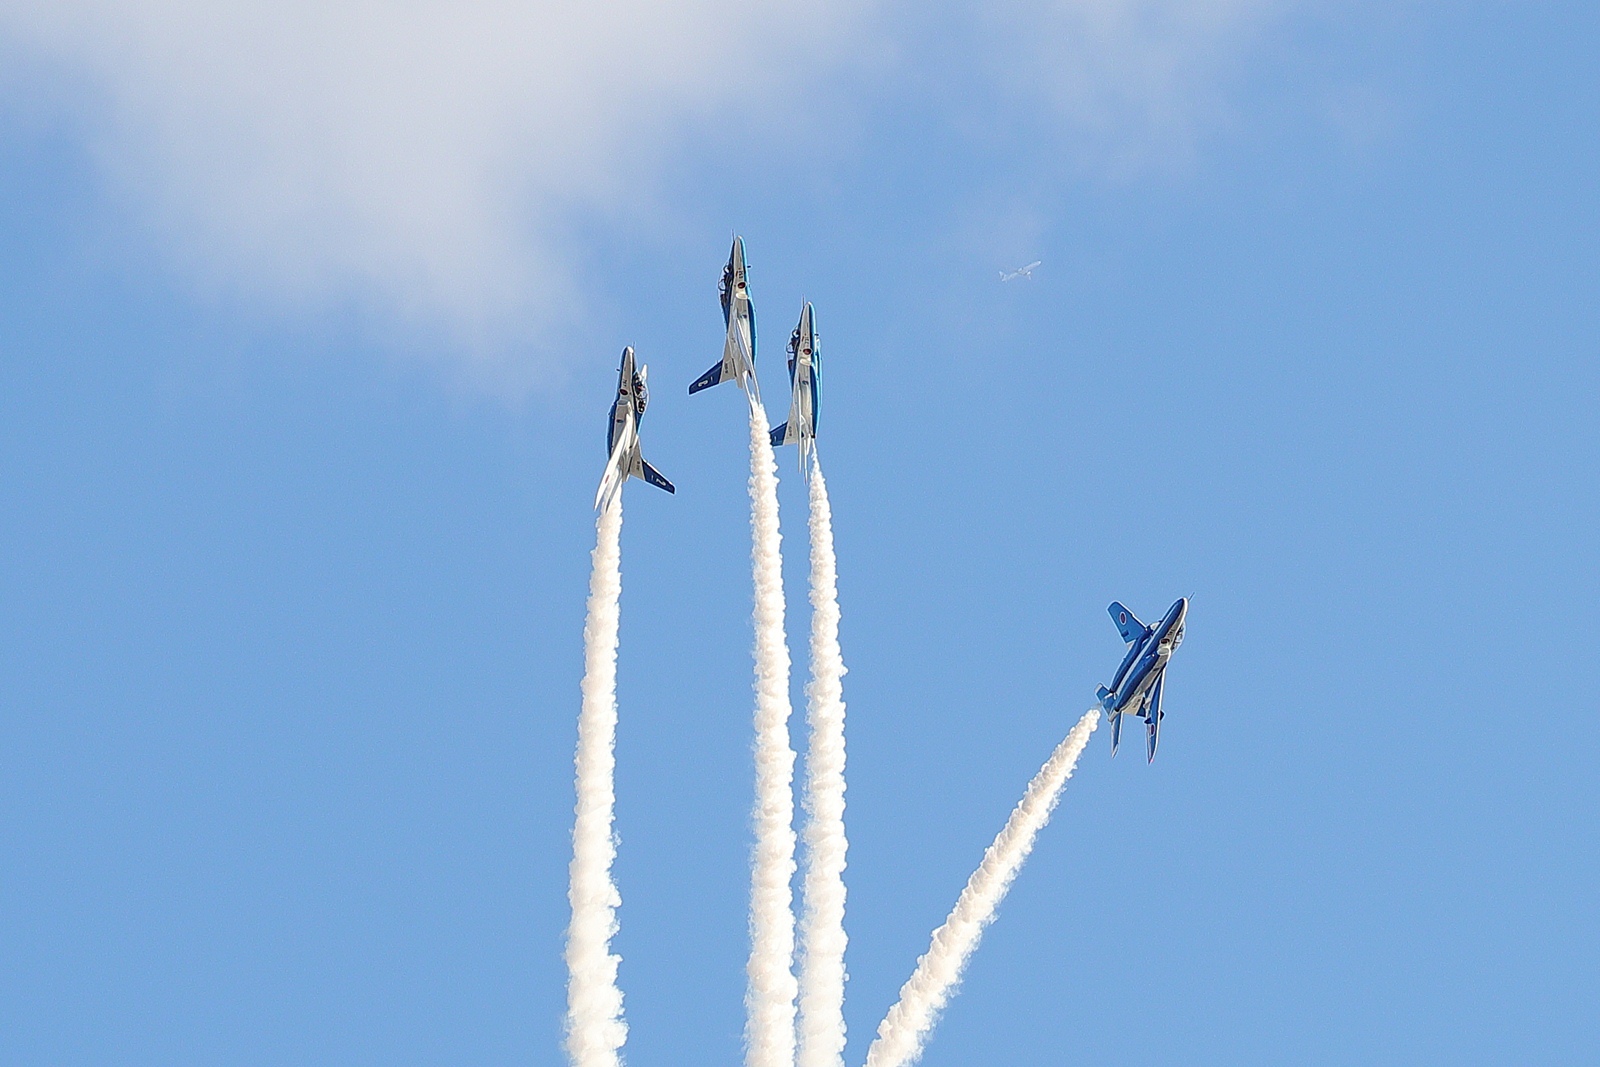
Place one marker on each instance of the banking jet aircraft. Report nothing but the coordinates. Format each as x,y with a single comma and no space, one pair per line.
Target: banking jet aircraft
622,435
805,381
1020,272
1136,690
739,348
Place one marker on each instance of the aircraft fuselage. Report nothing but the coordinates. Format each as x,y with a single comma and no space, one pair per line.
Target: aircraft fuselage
1146,661
738,362
1136,689
622,434
805,384
628,407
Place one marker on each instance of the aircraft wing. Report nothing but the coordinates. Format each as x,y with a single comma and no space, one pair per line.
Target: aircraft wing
612,480
737,363
709,378
792,430
653,476
624,447
1152,724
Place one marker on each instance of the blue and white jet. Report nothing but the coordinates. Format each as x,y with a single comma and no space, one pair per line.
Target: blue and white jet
739,315
805,382
1136,690
622,434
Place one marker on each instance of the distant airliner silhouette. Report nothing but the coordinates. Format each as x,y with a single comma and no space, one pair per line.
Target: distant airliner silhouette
1020,272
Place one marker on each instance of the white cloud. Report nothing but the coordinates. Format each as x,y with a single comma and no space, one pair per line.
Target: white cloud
432,159
425,157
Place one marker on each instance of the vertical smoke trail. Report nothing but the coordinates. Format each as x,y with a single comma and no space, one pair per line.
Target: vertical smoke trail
904,1030
822,937
770,994
595,1030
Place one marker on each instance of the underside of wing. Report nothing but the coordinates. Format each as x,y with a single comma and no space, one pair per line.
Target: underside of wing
611,480
1153,717
710,377
654,477
797,420
737,360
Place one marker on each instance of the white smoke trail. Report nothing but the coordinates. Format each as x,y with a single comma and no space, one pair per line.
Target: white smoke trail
594,1025
905,1029
822,936
771,989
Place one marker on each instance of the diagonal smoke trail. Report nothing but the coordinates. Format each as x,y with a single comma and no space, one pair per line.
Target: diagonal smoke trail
905,1029
770,993
822,936
594,1026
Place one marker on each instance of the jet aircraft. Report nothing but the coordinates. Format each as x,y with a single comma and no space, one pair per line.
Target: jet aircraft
622,434
739,314
1020,272
1136,690
805,381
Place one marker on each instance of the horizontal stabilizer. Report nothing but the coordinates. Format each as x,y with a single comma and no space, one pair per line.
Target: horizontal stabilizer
1152,734
654,477
779,432
1128,624
1104,694
708,379
1116,733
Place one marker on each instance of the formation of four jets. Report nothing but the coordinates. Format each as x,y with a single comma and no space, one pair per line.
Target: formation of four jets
1136,688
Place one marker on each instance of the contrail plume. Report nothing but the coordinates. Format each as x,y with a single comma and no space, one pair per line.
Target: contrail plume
595,1030
904,1030
822,936
770,992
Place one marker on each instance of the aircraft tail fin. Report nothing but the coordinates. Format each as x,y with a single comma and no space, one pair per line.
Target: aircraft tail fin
780,434
655,478
1128,624
708,379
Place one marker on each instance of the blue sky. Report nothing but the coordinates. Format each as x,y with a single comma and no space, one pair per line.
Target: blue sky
296,530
